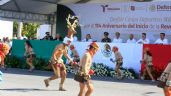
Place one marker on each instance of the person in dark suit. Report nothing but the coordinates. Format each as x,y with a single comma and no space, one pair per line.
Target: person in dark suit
48,36
106,38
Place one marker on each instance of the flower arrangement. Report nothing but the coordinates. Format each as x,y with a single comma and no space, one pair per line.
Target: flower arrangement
13,62
99,69
103,70
20,62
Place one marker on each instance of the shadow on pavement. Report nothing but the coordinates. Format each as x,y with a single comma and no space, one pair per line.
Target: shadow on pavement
25,89
69,75
148,93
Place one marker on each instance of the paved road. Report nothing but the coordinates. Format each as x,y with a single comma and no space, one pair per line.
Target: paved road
19,82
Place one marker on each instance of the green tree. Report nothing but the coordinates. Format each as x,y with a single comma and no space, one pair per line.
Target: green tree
30,29
15,27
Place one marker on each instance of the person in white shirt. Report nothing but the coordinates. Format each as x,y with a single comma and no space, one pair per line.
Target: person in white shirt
162,39
131,39
75,38
87,39
143,40
15,36
23,37
117,38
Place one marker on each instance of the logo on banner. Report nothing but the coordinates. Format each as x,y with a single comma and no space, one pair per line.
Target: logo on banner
107,8
164,7
132,8
104,7
152,8
137,8
106,51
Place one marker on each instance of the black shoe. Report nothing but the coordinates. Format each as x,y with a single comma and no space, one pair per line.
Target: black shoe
62,89
46,81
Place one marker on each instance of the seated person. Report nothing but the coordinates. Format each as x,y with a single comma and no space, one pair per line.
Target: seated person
131,39
58,37
106,38
15,36
75,38
117,38
162,39
143,40
23,37
87,39
48,36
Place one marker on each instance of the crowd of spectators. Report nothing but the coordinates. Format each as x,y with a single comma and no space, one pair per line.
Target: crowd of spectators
7,41
131,39
88,38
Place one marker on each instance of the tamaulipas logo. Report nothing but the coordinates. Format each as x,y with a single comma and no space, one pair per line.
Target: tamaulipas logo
106,51
108,8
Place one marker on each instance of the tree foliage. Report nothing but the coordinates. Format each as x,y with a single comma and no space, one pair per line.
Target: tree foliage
28,29
15,27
